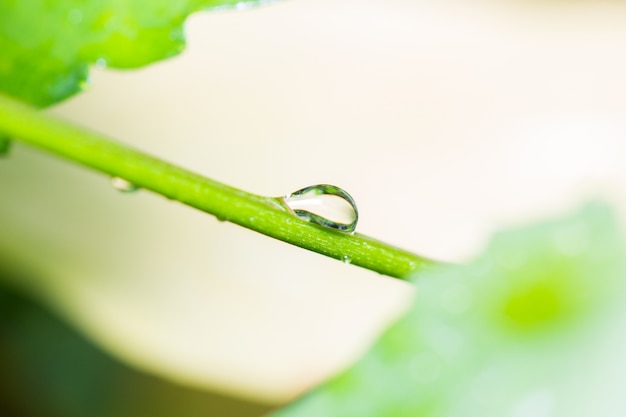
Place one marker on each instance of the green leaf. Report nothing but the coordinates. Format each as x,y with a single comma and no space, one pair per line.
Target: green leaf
46,47
49,369
535,327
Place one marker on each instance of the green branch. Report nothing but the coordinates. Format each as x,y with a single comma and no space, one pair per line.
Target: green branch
265,215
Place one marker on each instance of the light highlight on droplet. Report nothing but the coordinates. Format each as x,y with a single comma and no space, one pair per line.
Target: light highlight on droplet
120,184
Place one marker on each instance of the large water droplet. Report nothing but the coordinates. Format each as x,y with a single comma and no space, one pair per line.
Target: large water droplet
326,205
120,184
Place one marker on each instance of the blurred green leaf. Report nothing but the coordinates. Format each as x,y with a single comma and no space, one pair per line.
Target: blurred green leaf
535,327
46,47
49,369
5,145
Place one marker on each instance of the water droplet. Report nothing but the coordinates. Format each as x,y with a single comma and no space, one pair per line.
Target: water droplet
346,259
101,63
123,185
326,205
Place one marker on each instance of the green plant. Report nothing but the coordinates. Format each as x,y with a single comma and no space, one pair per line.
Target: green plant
511,322
128,36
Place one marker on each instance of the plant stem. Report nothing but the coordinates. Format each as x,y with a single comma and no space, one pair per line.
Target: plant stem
265,215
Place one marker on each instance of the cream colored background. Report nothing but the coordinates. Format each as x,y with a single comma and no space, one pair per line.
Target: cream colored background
445,120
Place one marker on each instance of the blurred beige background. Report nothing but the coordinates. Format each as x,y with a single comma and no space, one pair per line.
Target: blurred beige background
445,122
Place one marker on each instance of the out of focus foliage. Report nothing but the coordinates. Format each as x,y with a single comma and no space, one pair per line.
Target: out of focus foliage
535,327
46,47
48,369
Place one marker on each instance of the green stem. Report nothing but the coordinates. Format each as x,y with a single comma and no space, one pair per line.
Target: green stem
265,215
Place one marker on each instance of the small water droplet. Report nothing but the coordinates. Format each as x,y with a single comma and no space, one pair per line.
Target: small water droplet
123,185
326,205
346,259
101,63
